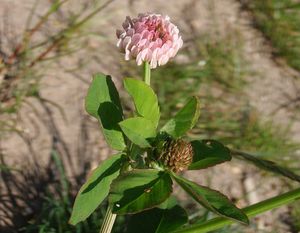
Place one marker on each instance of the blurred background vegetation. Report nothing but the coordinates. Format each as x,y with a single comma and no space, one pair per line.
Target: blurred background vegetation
69,42
279,22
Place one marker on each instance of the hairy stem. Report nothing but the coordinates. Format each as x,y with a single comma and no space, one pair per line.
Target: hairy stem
108,221
147,73
251,211
110,218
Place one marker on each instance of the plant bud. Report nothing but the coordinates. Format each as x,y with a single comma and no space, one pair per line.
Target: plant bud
177,155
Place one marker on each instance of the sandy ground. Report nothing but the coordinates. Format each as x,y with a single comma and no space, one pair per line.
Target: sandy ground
76,136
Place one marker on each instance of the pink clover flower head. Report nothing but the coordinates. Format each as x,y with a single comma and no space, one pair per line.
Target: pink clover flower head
149,38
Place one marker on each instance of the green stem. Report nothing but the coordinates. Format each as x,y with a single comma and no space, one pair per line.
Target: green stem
147,73
110,218
251,211
108,221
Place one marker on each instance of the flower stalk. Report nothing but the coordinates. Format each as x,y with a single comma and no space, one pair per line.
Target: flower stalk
251,211
110,217
147,73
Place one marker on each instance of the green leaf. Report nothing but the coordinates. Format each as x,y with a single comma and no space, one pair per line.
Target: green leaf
139,130
102,102
144,98
102,89
96,188
169,203
138,190
158,220
267,165
208,153
184,120
172,218
212,200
